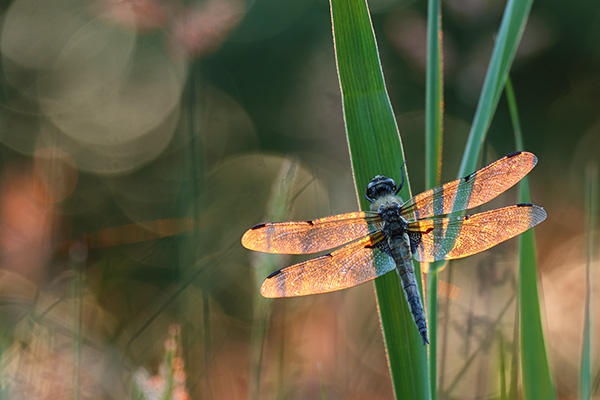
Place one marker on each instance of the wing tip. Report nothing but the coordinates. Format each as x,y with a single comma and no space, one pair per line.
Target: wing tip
268,289
247,240
538,215
267,292
251,238
528,154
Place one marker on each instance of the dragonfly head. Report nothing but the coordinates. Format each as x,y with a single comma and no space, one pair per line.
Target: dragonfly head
380,186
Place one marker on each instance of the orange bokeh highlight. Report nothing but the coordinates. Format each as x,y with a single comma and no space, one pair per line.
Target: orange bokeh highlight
449,290
27,223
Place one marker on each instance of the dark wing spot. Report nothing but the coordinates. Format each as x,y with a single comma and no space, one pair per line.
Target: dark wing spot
258,226
309,222
468,177
427,231
513,154
327,255
467,217
274,274
524,205
370,246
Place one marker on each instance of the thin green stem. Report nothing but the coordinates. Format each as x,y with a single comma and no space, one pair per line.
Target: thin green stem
434,117
591,212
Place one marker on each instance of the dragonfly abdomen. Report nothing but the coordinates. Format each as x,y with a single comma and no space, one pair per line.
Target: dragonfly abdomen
400,249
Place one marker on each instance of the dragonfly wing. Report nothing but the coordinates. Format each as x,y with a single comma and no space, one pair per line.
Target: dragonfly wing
456,237
349,266
471,191
305,237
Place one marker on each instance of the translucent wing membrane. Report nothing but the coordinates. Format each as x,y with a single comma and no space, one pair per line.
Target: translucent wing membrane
305,237
456,237
349,266
471,191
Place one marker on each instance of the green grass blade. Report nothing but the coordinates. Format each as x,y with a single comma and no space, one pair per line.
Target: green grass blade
78,255
278,209
434,100
432,314
434,117
537,380
591,212
514,363
507,41
503,394
375,148
514,115
509,35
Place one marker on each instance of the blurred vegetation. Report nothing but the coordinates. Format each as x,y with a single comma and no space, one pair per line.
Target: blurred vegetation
139,139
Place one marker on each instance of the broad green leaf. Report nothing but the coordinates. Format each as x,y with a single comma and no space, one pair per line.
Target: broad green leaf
376,149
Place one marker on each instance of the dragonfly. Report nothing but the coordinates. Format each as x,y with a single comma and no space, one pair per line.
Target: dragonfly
369,244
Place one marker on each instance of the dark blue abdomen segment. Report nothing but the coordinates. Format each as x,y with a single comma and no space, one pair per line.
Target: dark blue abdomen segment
400,248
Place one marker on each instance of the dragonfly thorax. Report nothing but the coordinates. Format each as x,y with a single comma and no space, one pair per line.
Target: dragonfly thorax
393,222
380,186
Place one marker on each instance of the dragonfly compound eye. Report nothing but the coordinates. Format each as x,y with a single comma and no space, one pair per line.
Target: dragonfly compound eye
380,186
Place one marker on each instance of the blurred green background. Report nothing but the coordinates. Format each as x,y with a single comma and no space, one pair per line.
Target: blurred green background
139,140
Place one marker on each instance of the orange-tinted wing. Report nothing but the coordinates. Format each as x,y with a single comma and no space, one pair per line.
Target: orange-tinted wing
305,237
349,266
471,191
456,237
